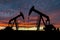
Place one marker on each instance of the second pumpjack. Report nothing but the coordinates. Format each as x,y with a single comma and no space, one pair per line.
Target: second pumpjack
14,21
48,26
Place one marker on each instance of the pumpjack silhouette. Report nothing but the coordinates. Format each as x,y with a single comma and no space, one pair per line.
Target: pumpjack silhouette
14,21
48,26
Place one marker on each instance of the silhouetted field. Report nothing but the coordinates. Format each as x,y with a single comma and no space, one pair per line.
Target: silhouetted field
9,29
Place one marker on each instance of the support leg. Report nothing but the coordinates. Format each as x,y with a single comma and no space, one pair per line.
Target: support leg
38,26
16,24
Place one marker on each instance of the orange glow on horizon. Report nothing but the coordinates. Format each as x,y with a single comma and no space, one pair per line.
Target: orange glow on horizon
26,25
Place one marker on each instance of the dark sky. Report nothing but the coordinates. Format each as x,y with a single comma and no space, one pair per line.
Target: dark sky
11,8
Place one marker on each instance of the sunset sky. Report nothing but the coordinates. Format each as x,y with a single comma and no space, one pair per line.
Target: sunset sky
11,8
